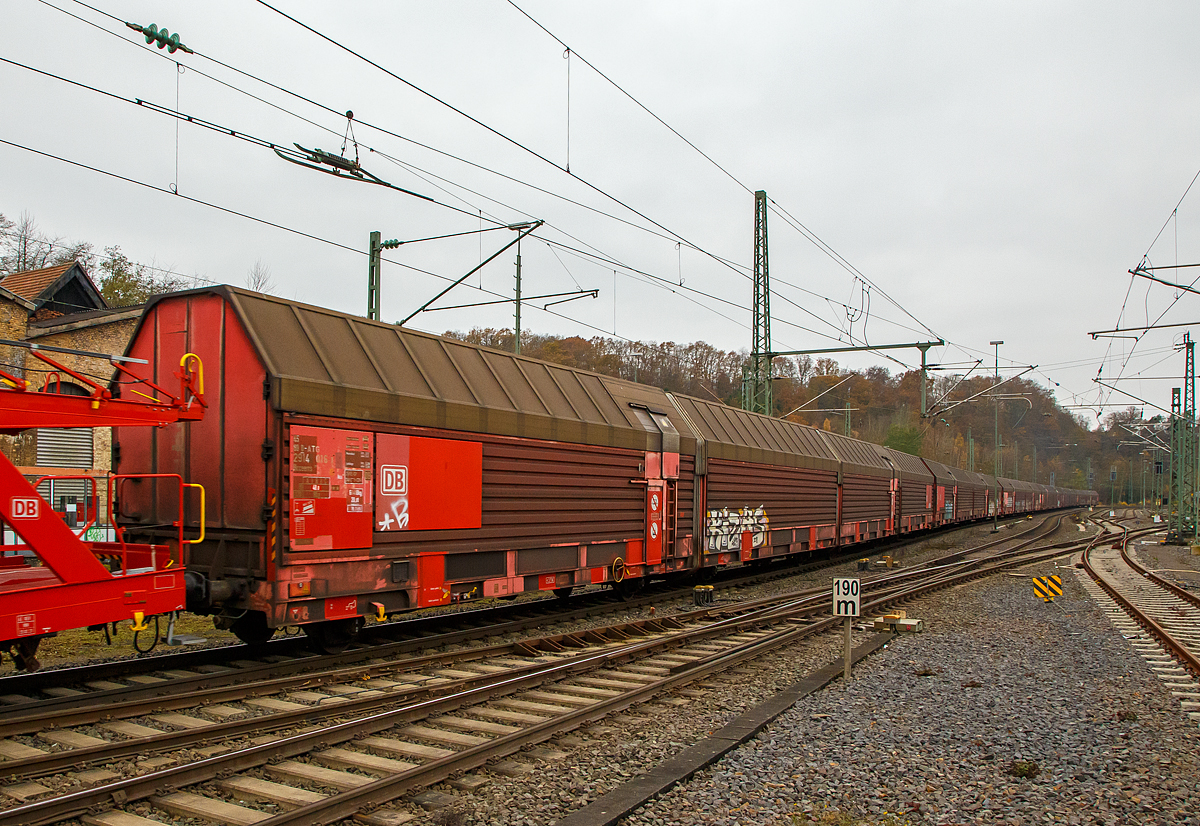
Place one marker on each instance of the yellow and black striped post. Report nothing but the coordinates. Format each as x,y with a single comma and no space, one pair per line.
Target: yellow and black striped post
1047,587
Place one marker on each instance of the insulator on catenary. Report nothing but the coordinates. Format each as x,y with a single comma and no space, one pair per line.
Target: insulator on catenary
162,37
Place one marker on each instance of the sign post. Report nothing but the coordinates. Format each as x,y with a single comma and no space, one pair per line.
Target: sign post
846,599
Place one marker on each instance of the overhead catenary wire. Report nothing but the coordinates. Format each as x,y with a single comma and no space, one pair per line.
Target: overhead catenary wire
535,153
120,35
788,218
1173,215
267,143
406,165
266,222
711,255
206,124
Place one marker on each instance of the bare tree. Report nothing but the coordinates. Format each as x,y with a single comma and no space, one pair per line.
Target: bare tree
23,246
259,278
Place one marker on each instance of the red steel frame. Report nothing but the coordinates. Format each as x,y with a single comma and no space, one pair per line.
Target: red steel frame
55,580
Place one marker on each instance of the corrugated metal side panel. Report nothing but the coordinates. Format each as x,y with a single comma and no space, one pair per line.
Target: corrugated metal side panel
285,342
581,401
969,499
792,497
601,391
64,447
549,391
686,487
480,376
334,337
448,383
865,497
244,416
913,498
535,494
223,451
400,369
514,381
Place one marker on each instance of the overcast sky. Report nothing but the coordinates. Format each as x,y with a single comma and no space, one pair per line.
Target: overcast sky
995,168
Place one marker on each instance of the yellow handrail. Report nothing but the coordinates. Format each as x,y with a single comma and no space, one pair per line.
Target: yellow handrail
199,368
202,514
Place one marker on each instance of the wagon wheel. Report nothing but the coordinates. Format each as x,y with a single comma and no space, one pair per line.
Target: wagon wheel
251,628
332,636
24,654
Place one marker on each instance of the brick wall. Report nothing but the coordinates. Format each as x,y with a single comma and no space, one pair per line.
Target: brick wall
13,318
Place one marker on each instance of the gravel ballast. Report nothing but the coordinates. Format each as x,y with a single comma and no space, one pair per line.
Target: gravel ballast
933,729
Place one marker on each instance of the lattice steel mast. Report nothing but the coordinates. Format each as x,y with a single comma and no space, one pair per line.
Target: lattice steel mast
756,382
1183,450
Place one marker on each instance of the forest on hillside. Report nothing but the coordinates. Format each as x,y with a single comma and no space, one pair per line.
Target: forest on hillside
1040,440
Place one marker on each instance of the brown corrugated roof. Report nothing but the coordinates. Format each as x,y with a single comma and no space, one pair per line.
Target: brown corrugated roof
31,283
326,363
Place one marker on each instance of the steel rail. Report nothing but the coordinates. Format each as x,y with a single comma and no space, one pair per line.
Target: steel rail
1177,649
346,804
138,788
74,804
105,709
58,761
181,691
483,622
1183,593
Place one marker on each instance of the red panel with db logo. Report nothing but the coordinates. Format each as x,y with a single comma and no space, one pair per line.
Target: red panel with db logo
428,484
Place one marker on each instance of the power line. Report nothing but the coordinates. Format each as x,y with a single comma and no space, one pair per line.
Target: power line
779,210
410,167
209,125
324,107
292,230
262,142
493,130
163,110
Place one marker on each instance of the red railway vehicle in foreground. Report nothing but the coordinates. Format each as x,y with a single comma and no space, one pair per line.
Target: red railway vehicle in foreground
357,469
54,580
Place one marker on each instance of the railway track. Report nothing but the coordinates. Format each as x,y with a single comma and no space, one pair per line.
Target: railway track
334,749
189,671
254,685
1160,619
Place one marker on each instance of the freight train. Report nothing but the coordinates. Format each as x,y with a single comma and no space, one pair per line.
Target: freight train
357,469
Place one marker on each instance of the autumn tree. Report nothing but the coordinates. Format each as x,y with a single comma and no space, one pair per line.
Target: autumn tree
125,283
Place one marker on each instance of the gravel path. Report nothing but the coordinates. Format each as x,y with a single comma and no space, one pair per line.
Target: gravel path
931,729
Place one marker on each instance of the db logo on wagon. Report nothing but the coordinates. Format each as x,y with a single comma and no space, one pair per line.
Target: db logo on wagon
23,508
393,480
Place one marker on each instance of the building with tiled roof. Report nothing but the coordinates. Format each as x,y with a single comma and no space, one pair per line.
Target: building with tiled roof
58,290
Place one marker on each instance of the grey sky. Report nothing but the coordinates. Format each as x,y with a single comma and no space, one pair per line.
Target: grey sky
994,167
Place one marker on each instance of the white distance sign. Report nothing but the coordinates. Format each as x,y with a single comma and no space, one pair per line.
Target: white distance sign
845,597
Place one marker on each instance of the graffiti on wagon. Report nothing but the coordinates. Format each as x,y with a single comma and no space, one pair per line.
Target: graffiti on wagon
725,528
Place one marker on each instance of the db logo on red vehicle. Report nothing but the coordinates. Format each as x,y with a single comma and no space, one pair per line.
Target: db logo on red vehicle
24,508
393,480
